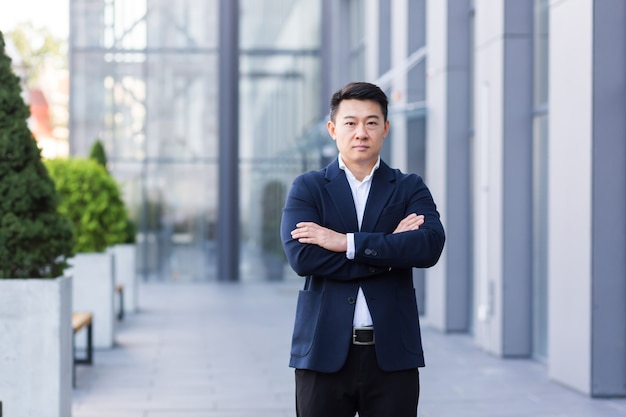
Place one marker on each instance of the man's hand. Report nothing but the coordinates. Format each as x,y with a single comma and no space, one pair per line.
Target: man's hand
410,222
314,234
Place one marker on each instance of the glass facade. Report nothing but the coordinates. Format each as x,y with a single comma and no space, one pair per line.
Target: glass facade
279,102
357,43
145,82
416,89
415,112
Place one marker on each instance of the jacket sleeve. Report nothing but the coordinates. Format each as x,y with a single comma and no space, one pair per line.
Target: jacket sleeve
417,248
304,203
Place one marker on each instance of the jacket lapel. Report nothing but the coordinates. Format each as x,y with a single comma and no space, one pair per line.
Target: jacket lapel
341,195
383,186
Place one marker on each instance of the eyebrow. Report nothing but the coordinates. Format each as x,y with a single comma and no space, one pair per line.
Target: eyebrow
371,116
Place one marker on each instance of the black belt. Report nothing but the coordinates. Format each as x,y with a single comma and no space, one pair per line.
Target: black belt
362,335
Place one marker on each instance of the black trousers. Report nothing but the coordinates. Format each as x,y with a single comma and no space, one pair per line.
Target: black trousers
360,386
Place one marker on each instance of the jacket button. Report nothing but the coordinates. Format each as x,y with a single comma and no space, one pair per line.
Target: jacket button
372,269
373,252
368,251
351,300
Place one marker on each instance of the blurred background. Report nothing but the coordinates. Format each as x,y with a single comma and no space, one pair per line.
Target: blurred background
512,111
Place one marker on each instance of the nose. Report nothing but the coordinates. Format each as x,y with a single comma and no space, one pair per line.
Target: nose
361,132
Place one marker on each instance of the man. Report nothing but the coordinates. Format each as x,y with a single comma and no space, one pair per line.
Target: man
355,229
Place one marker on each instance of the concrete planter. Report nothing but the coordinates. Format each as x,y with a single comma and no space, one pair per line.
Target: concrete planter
93,291
126,274
36,347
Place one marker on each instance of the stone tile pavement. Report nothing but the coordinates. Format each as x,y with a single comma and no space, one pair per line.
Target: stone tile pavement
213,349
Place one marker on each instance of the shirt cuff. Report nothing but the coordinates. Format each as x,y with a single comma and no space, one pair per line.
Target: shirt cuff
350,251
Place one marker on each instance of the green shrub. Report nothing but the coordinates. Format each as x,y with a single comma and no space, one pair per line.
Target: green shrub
90,198
35,240
98,154
131,231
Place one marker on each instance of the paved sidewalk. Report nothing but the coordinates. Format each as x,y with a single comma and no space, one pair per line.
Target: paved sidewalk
209,350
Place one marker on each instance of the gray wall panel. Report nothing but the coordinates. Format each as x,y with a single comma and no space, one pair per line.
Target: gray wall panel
517,194
609,200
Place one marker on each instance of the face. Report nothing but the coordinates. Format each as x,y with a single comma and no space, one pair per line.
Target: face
359,130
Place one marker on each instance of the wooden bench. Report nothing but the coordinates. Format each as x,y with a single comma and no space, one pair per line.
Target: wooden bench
82,320
119,288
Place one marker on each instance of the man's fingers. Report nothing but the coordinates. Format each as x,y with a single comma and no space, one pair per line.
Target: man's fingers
305,224
306,230
410,222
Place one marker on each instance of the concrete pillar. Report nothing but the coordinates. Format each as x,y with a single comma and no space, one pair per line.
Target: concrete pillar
334,59
447,159
503,176
228,206
587,189
398,90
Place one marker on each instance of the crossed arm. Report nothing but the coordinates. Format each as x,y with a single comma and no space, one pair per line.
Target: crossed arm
314,234
408,233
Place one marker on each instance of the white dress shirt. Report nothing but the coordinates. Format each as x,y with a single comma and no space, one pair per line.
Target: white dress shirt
360,192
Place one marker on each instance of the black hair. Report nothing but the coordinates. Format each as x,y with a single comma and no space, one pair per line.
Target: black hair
359,91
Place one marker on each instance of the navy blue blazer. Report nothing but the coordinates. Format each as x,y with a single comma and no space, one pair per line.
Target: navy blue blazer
382,266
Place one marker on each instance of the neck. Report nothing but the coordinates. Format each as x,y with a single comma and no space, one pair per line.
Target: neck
362,170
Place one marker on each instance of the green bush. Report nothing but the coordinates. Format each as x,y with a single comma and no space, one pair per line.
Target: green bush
35,239
98,154
131,231
91,199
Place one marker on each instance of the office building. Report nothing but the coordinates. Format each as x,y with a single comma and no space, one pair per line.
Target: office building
514,112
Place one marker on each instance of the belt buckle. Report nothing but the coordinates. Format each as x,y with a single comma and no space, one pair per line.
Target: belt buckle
359,343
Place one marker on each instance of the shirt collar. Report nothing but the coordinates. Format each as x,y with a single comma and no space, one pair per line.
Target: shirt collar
342,166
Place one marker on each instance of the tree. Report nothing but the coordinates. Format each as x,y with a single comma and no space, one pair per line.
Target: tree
38,47
98,154
35,239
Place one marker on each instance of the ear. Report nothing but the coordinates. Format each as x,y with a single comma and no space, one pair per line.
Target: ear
387,125
331,129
